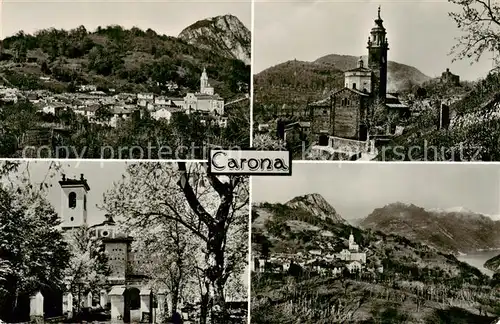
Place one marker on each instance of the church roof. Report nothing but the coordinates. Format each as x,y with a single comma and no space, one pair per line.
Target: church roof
397,105
109,221
360,69
326,101
356,91
207,96
74,182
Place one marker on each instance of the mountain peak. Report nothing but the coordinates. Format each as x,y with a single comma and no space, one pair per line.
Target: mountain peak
317,205
450,230
224,34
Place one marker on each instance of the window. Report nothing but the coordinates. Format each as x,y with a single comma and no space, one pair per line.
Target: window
354,85
72,200
325,112
85,202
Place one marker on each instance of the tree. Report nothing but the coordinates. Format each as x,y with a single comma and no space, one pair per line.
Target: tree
479,20
167,255
33,253
103,114
88,266
213,209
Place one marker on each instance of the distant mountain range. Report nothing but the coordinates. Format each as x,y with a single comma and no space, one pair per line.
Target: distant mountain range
455,230
297,82
225,35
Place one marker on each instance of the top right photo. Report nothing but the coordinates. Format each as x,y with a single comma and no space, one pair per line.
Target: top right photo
382,81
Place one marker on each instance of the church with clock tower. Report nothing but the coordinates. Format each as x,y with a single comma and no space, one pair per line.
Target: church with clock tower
127,294
346,112
377,58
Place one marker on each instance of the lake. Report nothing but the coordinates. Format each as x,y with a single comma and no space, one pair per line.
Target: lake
478,259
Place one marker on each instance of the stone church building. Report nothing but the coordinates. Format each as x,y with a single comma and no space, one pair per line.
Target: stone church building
345,113
127,293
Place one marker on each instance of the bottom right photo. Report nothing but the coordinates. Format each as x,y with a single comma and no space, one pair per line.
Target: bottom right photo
377,243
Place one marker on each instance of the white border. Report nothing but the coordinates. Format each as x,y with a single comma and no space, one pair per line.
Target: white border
252,47
249,298
100,160
249,264
395,162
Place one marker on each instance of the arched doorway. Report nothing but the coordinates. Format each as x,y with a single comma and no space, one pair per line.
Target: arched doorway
363,133
52,302
323,140
132,303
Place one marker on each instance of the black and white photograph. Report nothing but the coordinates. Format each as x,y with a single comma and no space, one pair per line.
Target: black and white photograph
124,79
118,242
377,243
386,81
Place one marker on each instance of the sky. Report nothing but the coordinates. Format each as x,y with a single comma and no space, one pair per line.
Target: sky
168,17
100,177
356,189
419,32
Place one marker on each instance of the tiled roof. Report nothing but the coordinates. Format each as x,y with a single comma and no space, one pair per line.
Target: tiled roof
398,105
360,69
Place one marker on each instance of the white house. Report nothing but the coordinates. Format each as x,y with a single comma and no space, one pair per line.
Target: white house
354,266
203,102
121,113
145,96
164,112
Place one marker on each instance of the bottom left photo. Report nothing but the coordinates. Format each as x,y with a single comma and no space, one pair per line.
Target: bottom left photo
116,241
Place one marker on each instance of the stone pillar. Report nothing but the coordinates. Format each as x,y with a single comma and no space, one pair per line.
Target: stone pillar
117,298
372,146
145,295
103,300
36,308
161,311
68,305
89,301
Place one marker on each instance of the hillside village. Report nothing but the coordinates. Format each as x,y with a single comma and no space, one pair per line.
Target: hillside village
124,88
109,109
309,264
324,261
365,107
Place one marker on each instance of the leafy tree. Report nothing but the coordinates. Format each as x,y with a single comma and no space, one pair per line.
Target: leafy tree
167,254
214,210
103,114
88,266
479,20
33,253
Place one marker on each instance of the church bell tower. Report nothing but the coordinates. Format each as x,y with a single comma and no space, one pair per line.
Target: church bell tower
377,58
74,202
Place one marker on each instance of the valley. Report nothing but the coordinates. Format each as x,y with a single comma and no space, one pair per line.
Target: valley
305,270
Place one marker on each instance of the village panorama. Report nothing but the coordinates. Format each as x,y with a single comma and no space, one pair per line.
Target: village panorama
325,253
351,107
125,93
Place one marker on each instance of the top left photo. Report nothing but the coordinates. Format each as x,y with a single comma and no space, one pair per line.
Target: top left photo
124,80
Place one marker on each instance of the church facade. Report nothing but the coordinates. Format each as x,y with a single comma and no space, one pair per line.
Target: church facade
347,111
206,100
127,293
